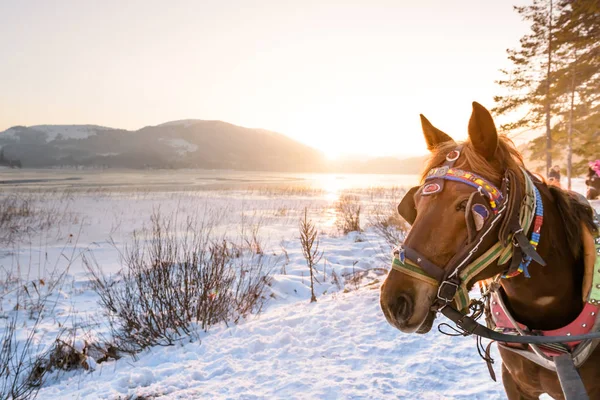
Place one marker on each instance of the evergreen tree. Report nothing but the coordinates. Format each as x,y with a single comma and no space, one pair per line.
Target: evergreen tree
577,83
528,82
555,81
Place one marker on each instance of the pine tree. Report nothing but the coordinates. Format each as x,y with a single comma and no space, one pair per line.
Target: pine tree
577,83
528,83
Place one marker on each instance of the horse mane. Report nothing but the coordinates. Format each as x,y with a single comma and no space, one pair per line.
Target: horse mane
507,157
573,211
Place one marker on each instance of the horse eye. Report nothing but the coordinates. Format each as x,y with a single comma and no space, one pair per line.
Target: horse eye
462,206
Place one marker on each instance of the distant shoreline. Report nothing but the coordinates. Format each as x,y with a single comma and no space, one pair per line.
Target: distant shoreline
189,180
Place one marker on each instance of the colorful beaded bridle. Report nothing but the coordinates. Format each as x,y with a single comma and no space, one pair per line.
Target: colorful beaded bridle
503,213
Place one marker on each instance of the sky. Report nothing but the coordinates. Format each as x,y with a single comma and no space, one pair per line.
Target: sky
346,77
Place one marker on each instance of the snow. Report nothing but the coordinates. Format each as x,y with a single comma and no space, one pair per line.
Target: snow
339,347
182,146
182,122
66,131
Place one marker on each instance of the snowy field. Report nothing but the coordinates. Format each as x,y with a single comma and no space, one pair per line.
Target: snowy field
340,347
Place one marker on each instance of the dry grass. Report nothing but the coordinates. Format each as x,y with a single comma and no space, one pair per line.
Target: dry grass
24,214
309,242
388,224
278,190
348,209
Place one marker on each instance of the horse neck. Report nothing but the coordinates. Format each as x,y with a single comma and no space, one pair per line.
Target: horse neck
552,297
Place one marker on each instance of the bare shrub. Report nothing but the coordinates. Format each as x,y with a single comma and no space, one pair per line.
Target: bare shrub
250,233
348,209
170,281
63,355
335,279
388,224
36,292
17,361
25,365
13,211
22,214
310,249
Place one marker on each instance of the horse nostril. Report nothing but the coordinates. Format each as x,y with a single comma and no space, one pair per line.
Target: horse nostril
404,308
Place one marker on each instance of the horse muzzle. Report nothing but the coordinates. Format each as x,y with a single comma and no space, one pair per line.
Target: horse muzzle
405,312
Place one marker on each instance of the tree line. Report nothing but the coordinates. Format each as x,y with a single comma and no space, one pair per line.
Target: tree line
553,82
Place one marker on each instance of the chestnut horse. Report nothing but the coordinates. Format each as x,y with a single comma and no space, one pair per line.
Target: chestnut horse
545,298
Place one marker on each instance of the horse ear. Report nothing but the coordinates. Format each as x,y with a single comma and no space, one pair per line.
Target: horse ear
433,136
482,131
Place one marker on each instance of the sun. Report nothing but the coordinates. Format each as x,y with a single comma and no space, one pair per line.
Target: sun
332,154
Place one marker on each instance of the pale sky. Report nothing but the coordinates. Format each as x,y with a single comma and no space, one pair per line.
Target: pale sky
341,76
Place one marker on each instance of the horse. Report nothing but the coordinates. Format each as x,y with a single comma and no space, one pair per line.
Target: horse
448,216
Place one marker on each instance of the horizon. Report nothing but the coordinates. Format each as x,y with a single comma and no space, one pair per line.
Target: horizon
344,80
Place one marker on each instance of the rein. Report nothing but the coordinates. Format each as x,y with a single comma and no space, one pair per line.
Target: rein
472,327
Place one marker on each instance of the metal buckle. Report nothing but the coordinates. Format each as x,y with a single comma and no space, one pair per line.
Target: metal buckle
515,241
440,291
437,172
399,252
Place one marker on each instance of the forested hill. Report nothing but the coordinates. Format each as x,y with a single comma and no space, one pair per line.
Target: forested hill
179,144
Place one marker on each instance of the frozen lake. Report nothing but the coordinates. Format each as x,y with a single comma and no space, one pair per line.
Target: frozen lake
28,179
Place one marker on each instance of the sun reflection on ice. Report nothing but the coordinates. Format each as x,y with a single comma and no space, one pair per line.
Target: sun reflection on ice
332,185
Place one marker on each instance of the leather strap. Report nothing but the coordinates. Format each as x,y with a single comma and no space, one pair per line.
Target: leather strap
471,326
570,381
511,223
429,267
489,361
511,227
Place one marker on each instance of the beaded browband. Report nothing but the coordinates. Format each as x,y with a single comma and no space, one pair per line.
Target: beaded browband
454,174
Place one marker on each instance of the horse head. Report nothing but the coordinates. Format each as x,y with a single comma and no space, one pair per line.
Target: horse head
448,217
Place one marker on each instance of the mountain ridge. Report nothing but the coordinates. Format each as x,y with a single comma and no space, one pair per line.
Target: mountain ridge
187,143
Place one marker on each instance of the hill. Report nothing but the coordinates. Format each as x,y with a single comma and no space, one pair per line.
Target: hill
180,144
177,144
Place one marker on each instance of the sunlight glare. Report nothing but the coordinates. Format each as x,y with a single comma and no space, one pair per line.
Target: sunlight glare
332,154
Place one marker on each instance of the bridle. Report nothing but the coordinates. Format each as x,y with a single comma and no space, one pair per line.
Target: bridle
504,204
488,207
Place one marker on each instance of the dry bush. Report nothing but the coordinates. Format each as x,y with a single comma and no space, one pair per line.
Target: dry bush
14,211
250,233
169,282
23,364
62,356
17,361
37,296
355,279
388,224
22,213
348,209
309,241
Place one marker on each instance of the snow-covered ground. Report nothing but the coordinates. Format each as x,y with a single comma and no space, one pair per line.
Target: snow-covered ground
340,347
